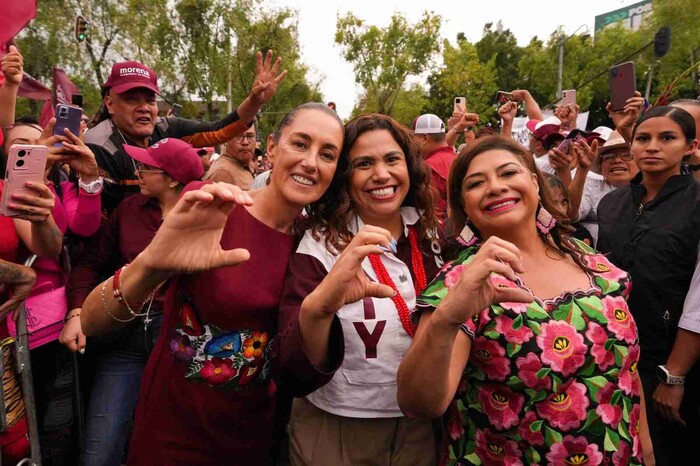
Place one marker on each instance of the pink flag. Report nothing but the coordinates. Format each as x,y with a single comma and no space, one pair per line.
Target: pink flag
63,87
47,112
33,89
15,15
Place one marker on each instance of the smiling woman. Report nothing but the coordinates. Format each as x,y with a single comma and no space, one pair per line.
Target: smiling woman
379,241
512,333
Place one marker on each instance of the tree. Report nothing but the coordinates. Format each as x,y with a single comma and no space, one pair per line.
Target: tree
409,104
681,16
501,44
463,74
383,58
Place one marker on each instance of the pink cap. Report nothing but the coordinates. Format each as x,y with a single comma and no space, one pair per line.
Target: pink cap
128,75
175,157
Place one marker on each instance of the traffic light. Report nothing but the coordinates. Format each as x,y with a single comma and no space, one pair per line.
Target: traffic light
662,41
81,28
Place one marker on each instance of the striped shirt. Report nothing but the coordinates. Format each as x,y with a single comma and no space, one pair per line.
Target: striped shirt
690,319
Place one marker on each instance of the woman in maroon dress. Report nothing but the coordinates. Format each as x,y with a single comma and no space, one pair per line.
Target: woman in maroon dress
206,396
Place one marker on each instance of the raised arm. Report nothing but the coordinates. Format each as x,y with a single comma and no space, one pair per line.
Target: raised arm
586,155
264,88
11,65
188,241
624,121
440,351
531,106
36,226
507,113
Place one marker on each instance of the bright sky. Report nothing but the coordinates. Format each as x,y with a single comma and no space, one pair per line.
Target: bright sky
317,25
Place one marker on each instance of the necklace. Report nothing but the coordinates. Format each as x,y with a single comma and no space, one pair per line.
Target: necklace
419,284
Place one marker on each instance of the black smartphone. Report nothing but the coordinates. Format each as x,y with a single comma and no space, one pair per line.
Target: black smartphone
175,110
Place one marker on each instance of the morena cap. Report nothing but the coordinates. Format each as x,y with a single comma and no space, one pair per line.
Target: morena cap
428,124
127,75
175,157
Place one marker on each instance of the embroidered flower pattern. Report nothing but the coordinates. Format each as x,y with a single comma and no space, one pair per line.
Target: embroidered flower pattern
552,384
229,360
574,451
562,347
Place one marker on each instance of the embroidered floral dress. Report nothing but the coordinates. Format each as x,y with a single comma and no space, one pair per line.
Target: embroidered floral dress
552,382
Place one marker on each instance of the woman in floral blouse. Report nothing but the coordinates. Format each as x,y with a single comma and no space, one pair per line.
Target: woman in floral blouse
544,369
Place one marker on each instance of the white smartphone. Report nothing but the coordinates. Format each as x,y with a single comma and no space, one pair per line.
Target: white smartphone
460,105
568,97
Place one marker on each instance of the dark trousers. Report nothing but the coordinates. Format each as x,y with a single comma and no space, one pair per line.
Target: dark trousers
674,445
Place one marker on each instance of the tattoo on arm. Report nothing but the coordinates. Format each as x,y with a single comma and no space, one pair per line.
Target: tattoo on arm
9,272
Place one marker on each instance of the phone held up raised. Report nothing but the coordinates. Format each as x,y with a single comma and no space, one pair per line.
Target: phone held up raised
568,97
623,84
503,97
460,105
67,116
25,163
176,110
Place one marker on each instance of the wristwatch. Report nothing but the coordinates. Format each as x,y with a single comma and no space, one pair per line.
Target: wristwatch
665,376
93,187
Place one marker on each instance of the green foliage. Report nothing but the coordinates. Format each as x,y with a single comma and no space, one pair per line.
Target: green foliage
463,74
384,57
503,46
193,45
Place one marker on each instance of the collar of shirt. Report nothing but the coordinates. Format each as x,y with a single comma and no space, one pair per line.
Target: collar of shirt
409,216
440,149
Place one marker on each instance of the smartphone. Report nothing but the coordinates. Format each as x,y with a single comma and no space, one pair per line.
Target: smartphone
176,109
623,83
568,97
67,116
565,146
24,163
503,97
460,105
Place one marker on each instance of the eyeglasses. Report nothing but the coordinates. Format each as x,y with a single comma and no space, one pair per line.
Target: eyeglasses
626,156
249,137
142,168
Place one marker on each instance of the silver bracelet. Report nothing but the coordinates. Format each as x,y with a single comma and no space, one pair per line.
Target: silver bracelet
104,303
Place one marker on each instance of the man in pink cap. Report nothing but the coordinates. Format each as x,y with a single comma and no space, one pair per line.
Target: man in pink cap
129,115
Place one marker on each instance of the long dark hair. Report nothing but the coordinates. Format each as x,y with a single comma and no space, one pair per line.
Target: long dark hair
679,116
458,214
333,224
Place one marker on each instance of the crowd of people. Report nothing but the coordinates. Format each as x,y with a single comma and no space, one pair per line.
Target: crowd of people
357,293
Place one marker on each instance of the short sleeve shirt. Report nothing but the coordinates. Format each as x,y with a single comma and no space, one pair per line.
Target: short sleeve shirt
549,382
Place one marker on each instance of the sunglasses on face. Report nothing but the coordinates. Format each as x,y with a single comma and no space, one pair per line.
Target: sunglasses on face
626,156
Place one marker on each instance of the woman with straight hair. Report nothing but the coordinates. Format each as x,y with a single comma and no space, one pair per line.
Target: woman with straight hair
651,228
206,396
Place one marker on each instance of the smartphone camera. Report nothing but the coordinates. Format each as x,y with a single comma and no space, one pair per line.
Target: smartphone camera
614,72
63,112
21,153
19,164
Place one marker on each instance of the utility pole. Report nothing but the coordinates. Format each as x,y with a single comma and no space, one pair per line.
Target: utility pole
560,75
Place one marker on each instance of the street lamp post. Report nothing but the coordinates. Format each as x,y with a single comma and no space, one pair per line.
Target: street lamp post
560,74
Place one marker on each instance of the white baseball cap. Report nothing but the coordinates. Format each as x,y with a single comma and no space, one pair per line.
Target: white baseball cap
428,124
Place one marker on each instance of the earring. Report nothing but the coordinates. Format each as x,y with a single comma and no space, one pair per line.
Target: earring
545,221
467,237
